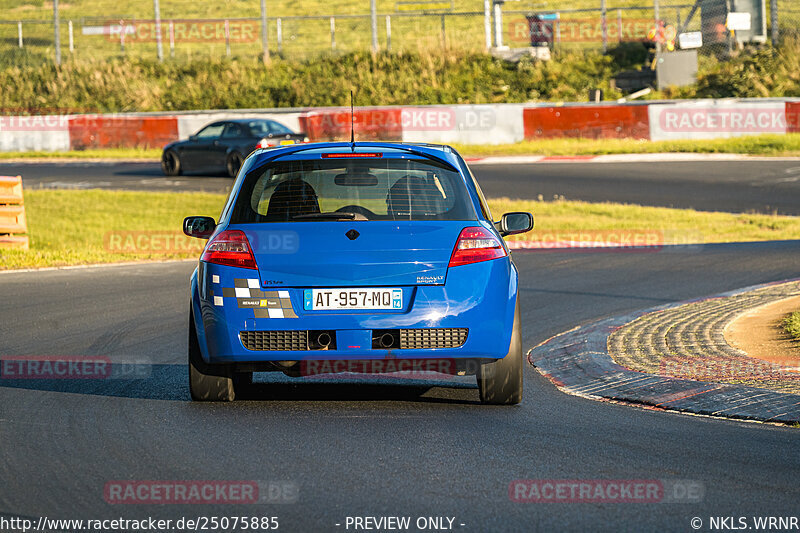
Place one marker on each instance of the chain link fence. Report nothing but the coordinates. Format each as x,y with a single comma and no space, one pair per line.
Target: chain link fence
299,30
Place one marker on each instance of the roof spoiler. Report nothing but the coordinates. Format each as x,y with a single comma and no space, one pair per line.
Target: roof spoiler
417,150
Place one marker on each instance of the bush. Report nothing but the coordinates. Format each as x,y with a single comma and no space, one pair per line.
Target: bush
384,79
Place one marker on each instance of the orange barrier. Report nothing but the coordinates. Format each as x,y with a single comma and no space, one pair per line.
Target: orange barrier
111,131
607,121
13,225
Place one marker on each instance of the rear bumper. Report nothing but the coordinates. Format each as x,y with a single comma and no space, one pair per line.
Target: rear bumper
480,297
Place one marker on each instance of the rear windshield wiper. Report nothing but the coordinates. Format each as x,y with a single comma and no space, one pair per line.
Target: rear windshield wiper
326,216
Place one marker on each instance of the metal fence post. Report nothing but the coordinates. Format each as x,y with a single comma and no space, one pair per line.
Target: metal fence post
605,25
333,33
264,35
171,39
388,33
487,22
71,38
558,28
19,33
122,35
373,15
227,37
773,15
657,18
444,34
498,25
279,34
159,44
57,30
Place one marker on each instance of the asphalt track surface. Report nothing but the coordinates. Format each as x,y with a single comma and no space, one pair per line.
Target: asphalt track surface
386,448
734,186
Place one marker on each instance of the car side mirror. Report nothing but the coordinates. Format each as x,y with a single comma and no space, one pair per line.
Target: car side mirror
513,223
192,137
200,227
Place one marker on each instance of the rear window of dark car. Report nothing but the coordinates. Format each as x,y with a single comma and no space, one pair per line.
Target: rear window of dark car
265,127
372,189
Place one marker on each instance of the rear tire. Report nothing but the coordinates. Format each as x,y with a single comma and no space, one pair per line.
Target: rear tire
171,164
500,382
233,164
207,383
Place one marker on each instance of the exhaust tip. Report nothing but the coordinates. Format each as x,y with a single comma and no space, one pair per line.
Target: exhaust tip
387,340
324,339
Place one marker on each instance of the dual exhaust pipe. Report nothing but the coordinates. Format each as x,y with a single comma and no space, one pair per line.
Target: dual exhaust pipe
386,339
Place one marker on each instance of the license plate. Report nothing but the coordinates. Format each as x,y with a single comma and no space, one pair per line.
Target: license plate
335,299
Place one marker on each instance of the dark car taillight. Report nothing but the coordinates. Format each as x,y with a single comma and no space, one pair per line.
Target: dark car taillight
475,245
230,248
268,142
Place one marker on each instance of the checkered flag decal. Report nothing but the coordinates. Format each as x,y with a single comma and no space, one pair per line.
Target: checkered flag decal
265,304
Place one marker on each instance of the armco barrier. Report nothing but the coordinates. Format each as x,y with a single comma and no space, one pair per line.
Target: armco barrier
369,124
13,225
714,119
460,124
118,131
39,133
463,124
587,121
792,117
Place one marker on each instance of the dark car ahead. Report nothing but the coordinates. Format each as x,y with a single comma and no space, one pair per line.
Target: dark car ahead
225,144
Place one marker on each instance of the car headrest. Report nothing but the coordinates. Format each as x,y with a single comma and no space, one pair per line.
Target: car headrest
291,198
414,196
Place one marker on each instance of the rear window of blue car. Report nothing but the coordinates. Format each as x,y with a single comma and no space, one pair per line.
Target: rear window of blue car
369,188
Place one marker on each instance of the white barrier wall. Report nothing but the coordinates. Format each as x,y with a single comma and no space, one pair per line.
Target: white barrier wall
464,124
44,133
715,119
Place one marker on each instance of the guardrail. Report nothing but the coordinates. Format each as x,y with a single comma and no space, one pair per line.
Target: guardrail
463,124
13,224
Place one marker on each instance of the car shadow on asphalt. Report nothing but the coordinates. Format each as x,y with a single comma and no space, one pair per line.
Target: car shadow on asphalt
170,382
359,391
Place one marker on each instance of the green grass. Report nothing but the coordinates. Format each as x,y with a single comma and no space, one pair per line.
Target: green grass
107,153
82,227
767,145
309,37
671,226
112,9
763,145
792,324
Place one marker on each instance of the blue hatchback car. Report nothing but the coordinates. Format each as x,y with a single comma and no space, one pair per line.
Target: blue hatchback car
355,257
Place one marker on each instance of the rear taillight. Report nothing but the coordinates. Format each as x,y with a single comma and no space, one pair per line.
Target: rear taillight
266,143
230,248
475,245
